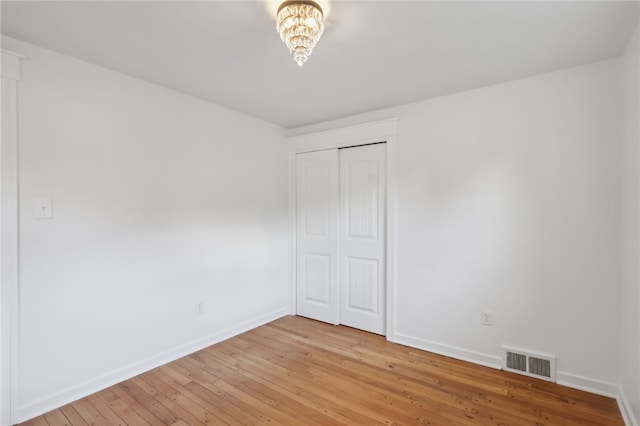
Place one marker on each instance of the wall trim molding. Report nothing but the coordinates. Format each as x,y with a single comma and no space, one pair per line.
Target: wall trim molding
344,136
11,64
587,384
372,132
625,409
48,403
9,255
474,357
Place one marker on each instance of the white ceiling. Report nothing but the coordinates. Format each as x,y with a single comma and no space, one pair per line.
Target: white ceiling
373,54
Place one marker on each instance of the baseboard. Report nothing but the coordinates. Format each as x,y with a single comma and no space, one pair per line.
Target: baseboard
450,351
587,384
627,415
74,393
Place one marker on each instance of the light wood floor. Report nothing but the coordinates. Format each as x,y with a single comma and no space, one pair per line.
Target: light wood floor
298,371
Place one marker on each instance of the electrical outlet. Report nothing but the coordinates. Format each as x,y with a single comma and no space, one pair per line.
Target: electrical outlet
486,317
199,308
43,208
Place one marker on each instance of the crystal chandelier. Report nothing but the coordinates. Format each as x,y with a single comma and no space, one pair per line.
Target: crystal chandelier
299,23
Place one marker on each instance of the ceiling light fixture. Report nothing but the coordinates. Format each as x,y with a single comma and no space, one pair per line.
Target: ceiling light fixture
299,23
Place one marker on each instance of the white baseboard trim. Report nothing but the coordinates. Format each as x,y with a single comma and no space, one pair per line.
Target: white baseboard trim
587,384
625,409
51,402
450,351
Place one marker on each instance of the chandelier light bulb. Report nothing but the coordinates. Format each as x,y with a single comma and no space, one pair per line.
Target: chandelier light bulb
299,23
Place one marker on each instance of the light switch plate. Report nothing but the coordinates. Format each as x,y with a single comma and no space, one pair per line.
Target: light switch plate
43,208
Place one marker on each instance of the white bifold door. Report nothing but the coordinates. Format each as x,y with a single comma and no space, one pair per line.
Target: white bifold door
341,204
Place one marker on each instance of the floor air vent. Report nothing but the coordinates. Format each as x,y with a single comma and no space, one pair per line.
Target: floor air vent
530,364
516,361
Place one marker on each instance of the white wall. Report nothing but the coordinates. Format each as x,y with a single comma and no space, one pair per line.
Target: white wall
630,232
160,201
508,200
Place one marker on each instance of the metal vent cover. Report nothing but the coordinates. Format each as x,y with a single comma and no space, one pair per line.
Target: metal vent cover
529,363
516,361
540,367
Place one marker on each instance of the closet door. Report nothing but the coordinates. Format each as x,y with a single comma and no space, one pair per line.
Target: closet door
362,237
317,235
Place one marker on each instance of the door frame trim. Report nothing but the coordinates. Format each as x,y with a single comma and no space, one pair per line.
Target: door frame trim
9,253
374,132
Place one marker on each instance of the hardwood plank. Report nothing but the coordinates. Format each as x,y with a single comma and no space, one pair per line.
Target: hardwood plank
366,376
394,384
243,407
56,417
105,411
458,398
180,423
89,413
288,402
203,393
149,402
279,377
170,398
73,416
128,414
296,371
38,421
346,384
128,403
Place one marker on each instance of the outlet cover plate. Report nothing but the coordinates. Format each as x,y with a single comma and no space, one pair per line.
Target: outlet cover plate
43,208
486,317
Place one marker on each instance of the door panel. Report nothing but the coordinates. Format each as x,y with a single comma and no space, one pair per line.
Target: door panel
362,237
360,190
317,199
363,282
316,195
317,268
